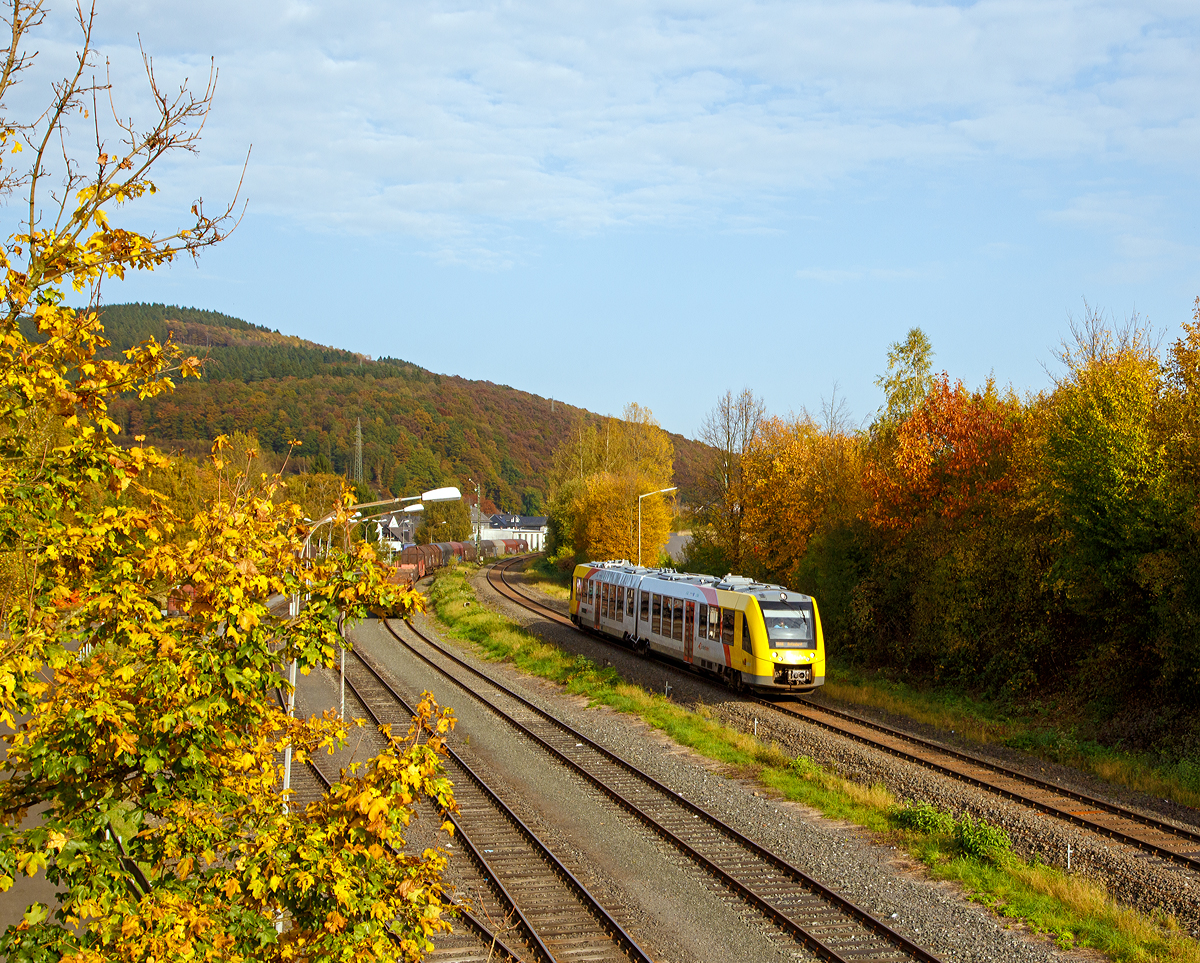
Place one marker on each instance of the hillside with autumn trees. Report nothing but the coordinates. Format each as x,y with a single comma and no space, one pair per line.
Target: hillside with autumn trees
420,429
1037,550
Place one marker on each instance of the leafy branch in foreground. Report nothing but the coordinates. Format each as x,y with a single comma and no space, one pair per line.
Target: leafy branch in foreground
141,772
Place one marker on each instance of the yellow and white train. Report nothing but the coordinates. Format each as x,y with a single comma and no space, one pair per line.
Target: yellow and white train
745,632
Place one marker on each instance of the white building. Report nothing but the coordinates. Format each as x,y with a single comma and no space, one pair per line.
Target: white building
532,528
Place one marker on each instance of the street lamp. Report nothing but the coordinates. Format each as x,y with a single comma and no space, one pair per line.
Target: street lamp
449,494
661,491
478,512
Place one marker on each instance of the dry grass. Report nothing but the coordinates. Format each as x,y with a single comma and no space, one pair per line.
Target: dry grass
961,720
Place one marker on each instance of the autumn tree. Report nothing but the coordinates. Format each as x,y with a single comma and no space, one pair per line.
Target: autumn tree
729,429
445,522
1107,457
950,457
799,479
908,378
599,471
607,524
141,765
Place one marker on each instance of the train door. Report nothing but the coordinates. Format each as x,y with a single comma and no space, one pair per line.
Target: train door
689,630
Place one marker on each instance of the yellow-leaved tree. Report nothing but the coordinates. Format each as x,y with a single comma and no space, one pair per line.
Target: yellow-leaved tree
598,474
141,764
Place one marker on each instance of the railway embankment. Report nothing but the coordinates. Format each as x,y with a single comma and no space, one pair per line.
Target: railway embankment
878,877
1164,893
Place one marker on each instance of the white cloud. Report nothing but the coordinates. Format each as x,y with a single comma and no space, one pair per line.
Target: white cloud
443,119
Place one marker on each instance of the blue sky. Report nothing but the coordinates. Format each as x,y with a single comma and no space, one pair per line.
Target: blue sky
655,202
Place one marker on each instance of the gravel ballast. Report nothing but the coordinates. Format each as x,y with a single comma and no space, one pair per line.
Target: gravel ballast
1138,879
883,881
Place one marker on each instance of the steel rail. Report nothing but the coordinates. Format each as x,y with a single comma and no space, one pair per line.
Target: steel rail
472,850
892,940
485,933
1189,859
614,929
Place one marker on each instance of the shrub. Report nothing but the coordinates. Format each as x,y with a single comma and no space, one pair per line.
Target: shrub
925,818
981,839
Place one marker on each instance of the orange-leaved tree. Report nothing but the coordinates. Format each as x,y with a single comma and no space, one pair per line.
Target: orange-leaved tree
949,457
141,764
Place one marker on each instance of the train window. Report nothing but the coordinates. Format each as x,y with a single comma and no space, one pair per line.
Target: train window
677,619
645,606
702,620
655,624
727,626
714,623
746,635
629,601
591,591
790,625
578,588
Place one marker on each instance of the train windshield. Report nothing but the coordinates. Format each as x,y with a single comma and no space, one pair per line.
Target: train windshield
790,625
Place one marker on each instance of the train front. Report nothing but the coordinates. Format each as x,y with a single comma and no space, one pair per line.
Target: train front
789,646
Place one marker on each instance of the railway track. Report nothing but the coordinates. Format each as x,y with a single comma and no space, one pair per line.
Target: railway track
559,920
828,924
1165,840
477,942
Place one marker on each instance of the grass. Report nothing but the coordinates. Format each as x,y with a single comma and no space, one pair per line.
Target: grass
545,576
1072,912
984,723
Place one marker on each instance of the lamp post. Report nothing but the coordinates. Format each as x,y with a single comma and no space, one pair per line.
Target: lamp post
478,513
450,494
661,491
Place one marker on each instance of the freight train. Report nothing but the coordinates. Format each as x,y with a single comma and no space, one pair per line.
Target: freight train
747,633
426,559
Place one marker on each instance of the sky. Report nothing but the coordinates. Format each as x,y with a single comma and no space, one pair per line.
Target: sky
657,202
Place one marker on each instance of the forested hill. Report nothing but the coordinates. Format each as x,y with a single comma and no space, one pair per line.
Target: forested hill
420,429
